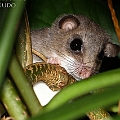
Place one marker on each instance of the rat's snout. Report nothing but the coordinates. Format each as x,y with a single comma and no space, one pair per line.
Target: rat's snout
85,72
89,69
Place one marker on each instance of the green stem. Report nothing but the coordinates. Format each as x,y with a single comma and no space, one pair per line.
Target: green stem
84,104
23,46
24,87
7,36
12,102
80,88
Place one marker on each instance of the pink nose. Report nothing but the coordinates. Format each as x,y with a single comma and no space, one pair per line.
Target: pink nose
85,73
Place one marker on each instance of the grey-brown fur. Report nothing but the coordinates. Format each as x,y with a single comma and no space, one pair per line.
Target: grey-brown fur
55,42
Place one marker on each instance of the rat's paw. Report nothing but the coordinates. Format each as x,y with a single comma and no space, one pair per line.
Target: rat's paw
54,60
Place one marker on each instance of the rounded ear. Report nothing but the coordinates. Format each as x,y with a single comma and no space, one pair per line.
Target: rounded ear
111,50
68,23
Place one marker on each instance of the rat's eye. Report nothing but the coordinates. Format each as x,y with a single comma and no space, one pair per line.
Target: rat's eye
76,44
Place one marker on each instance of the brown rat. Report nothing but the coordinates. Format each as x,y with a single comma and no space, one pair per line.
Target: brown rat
76,43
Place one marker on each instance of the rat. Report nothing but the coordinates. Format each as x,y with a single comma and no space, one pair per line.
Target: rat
76,43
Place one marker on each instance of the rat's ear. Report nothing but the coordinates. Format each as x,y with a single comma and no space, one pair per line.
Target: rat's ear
111,50
68,23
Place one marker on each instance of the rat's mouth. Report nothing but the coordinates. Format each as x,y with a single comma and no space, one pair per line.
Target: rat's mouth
76,76
82,73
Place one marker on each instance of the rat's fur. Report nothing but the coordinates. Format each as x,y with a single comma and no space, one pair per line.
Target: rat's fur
56,40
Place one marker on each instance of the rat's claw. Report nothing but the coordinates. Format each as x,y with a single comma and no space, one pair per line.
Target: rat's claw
54,60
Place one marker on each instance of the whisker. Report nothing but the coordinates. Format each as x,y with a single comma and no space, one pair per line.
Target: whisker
66,59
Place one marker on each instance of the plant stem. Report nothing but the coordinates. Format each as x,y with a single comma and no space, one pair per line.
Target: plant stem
12,101
82,105
24,87
7,36
85,86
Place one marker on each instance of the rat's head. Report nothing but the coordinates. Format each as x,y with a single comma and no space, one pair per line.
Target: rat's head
81,44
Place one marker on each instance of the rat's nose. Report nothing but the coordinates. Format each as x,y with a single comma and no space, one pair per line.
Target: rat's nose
85,72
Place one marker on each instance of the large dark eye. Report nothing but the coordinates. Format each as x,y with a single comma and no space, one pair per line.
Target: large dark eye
76,44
